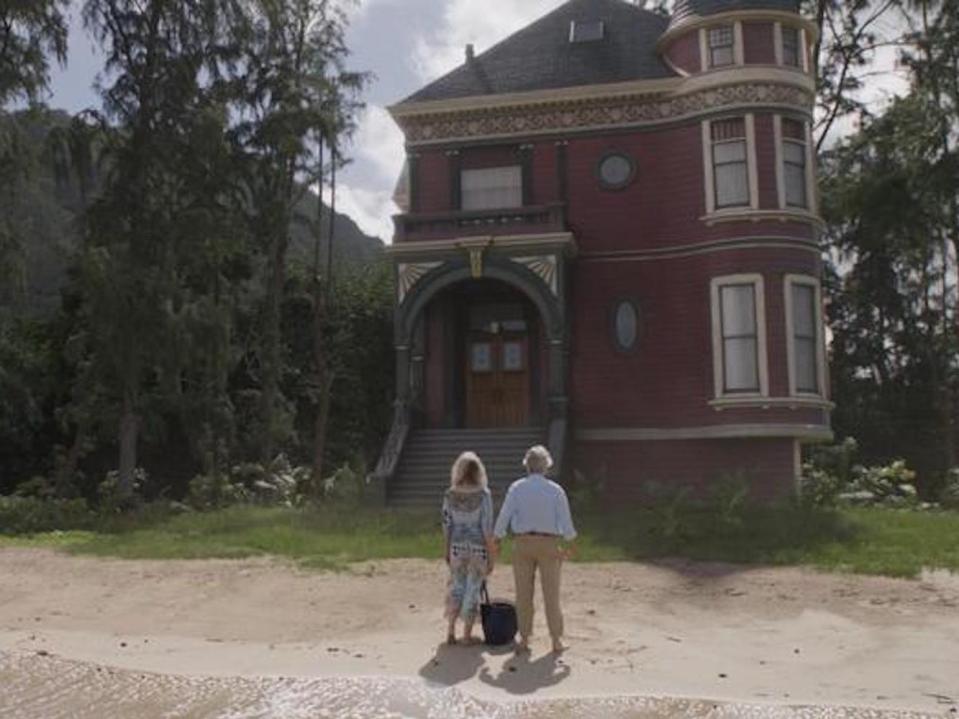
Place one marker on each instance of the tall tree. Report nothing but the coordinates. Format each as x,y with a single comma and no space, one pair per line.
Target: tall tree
292,64
159,57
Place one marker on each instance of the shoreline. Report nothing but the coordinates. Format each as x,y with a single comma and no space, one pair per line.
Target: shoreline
682,631
264,695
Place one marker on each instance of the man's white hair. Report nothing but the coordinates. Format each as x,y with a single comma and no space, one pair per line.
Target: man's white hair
538,460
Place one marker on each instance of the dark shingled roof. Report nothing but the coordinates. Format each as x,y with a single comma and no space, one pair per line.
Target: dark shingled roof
541,57
689,8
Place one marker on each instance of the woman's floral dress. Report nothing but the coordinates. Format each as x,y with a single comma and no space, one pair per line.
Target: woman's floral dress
467,523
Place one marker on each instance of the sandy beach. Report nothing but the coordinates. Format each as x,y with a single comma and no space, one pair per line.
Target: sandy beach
760,639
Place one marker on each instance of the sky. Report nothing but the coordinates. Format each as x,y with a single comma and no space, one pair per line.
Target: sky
405,44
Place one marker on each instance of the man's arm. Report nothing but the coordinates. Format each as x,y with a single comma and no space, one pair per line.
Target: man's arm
565,519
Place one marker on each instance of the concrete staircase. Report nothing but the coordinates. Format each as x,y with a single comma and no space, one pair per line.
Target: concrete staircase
423,473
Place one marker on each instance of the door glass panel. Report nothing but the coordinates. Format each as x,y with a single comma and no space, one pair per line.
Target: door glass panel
481,357
513,357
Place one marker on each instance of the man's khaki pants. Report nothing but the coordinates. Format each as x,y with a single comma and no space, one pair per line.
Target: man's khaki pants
529,554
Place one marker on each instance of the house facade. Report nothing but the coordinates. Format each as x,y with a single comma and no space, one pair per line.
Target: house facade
609,239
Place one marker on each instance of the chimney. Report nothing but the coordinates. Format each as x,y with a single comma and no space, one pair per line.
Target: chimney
470,54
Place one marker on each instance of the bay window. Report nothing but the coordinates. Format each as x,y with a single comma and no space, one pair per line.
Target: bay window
739,336
806,354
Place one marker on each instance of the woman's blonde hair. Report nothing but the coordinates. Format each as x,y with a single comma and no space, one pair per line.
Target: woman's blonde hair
468,473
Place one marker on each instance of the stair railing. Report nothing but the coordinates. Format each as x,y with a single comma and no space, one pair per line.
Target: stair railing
378,481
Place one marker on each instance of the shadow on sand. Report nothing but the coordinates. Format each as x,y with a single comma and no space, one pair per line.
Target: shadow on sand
524,675
519,674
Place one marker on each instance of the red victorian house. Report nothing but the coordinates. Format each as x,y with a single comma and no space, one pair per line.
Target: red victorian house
609,245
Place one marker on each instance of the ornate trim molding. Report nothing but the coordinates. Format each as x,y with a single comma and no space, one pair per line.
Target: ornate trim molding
409,273
561,115
806,432
538,242
747,214
795,402
544,267
704,248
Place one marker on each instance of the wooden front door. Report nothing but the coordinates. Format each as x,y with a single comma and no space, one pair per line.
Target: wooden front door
497,379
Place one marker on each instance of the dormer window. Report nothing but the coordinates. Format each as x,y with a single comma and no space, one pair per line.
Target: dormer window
722,46
586,31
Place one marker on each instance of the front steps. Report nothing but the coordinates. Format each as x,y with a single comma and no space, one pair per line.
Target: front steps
423,474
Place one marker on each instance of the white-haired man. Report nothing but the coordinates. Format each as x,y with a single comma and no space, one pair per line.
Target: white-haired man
536,511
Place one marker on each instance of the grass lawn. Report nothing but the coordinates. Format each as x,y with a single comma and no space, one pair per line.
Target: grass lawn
872,541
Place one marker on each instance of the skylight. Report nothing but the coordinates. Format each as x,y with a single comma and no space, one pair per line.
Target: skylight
586,30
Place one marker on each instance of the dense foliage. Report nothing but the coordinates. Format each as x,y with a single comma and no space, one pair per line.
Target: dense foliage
166,320
158,314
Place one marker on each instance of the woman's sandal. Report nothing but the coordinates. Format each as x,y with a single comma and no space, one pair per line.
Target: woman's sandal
451,639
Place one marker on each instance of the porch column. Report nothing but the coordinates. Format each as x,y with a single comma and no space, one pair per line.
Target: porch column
403,374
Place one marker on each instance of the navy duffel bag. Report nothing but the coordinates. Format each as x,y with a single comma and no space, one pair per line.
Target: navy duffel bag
499,620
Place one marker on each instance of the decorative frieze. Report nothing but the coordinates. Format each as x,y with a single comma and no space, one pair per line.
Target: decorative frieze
595,113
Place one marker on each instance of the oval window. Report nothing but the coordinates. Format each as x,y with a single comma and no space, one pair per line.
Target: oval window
626,325
616,171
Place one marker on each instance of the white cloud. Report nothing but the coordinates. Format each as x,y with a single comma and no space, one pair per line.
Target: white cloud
480,22
371,209
365,190
378,143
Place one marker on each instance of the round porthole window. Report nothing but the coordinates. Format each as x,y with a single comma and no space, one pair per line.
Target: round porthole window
616,171
626,326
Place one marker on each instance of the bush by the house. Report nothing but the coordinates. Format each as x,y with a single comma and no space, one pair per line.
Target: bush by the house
949,496
831,476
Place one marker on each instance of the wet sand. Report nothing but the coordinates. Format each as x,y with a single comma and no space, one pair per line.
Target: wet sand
92,637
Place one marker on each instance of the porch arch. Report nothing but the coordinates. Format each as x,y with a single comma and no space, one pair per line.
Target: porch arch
550,306
453,272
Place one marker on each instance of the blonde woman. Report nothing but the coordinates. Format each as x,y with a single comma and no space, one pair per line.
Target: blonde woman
468,531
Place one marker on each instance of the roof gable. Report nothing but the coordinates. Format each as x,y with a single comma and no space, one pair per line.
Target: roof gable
541,56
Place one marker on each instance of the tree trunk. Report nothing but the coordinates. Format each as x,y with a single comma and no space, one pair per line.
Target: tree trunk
64,477
271,345
129,429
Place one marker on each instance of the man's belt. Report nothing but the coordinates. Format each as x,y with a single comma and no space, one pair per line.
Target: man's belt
538,534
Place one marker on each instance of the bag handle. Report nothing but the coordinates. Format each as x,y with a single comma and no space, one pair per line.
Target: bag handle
485,593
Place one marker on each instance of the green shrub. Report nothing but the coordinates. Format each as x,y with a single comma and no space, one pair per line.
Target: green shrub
112,500
892,484
729,497
818,487
213,491
31,515
586,493
837,460
949,496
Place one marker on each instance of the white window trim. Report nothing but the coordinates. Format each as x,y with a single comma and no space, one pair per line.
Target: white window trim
752,169
813,282
778,42
812,198
812,187
762,362
703,49
804,49
739,50
739,53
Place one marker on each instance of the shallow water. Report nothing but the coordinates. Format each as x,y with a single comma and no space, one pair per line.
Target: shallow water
35,686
